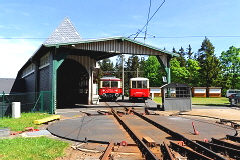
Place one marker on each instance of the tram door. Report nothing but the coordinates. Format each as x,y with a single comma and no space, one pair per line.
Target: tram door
72,84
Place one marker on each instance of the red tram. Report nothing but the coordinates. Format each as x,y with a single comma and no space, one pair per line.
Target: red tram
139,89
110,88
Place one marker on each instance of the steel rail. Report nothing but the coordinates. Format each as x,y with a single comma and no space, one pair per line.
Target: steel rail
147,153
232,153
190,154
233,138
107,152
104,112
197,147
167,154
226,144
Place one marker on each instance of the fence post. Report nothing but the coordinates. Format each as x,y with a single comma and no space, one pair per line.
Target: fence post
2,103
51,103
41,95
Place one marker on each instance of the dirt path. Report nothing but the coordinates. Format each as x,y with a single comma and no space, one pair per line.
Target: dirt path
210,114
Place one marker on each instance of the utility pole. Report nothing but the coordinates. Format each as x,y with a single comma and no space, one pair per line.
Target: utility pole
122,77
137,72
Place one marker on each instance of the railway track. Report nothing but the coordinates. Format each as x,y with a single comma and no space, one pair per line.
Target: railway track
175,145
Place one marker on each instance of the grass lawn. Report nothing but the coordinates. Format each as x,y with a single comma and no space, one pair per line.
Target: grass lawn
210,101
19,124
203,101
29,148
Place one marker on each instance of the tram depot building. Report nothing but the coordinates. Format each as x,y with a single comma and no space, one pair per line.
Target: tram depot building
63,66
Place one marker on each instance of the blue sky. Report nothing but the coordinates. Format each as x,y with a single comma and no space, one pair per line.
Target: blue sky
25,24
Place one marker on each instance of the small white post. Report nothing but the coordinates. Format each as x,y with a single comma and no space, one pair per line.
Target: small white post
16,109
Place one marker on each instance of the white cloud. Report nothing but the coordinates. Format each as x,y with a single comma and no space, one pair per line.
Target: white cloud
14,54
137,17
46,24
26,14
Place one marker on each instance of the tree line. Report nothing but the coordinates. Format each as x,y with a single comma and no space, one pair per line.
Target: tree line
198,69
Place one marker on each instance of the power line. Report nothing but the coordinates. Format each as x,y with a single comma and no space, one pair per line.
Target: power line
192,37
20,38
152,36
149,10
148,20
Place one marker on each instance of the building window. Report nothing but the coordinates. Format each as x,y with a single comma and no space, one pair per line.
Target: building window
44,60
182,92
28,70
178,92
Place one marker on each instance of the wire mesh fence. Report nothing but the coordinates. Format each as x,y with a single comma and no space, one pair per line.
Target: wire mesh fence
30,102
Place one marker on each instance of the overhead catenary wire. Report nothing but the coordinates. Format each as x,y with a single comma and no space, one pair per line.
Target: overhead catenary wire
149,20
149,10
151,36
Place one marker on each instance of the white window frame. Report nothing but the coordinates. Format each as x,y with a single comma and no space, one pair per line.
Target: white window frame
44,60
29,70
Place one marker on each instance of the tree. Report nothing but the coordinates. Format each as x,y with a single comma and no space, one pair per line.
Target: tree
193,68
189,52
178,73
230,61
181,57
132,64
209,64
141,67
174,50
153,71
118,66
106,67
188,74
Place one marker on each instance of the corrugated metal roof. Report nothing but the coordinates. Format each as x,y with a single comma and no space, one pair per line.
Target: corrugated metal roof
64,33
139,79
119,45
172,85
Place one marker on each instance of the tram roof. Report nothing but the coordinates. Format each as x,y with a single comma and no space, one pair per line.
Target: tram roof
139,79
110,79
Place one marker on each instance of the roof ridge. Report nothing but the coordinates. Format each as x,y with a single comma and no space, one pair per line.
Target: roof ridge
64,33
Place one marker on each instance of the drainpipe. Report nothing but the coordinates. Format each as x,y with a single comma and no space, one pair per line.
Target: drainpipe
122,77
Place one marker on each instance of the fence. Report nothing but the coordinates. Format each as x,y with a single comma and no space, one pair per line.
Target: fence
30,102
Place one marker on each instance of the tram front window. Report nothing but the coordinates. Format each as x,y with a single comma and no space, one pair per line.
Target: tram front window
139,84
106,84
114,84
144,84
133,84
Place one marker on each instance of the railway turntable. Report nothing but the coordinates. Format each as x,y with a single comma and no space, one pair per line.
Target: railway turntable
153,135
104,128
